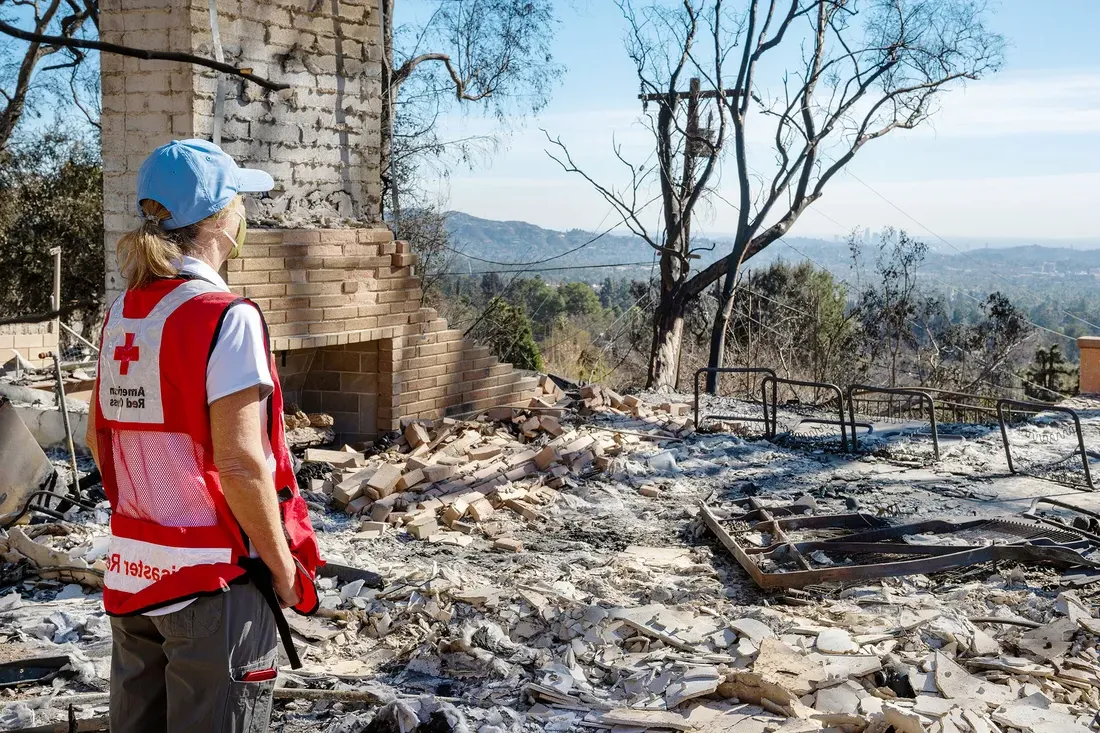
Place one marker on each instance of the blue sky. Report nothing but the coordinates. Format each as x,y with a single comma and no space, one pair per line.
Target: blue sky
1016,155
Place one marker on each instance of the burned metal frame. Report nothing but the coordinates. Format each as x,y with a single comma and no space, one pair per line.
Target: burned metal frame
1032,513
34,671
734,370
902,391
770,417
774,420
877,541
38,501
1037,407
948,400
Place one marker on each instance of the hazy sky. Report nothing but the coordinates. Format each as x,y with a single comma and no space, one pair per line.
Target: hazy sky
1014,155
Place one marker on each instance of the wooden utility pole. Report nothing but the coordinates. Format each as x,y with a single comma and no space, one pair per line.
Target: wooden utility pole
55,299
748,321
708,94
691,150
696,139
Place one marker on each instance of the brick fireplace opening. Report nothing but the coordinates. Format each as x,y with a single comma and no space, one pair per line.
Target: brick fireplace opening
351,338
341,297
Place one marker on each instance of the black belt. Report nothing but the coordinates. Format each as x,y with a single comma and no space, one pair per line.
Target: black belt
260,574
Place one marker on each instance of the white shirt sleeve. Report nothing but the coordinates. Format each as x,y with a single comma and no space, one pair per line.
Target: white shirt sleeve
240,357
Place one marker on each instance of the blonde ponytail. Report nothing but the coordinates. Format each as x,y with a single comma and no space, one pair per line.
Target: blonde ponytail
147,253
152,252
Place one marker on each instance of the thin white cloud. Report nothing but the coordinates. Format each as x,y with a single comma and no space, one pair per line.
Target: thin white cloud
1041,206
1047,102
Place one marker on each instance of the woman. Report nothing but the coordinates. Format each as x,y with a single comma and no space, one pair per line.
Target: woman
209,536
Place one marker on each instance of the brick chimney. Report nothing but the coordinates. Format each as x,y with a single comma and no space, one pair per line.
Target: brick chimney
319,139
340,296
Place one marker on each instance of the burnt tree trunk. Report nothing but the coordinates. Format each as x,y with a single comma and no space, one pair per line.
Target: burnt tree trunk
720,327
668,337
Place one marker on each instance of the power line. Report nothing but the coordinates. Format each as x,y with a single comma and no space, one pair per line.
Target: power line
646,295
511,282
594,239
964,253
965,294
1003,368
838,277
534,262
539,262
577,330
807,314
543,269
531,319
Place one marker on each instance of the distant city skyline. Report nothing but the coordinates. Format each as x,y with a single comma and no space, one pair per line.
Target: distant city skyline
1013,156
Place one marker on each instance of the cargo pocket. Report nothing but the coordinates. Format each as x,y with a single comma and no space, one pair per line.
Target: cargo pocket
249,703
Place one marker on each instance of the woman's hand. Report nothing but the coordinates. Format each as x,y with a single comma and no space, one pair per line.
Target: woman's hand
287,589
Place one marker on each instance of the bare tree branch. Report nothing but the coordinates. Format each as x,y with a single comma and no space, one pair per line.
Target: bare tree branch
407,68
140,53
492,53
867,69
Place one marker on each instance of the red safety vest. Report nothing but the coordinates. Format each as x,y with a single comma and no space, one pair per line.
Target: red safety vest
173,535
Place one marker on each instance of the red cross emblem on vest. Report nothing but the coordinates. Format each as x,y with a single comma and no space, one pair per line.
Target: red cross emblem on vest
126,353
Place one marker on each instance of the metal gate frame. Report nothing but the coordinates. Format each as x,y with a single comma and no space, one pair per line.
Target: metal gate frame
923,396
1038,407
734,370
773,425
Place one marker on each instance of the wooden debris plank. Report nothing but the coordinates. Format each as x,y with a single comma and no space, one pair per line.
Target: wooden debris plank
646,719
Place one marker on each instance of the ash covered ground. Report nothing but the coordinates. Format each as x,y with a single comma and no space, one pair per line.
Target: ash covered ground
621,610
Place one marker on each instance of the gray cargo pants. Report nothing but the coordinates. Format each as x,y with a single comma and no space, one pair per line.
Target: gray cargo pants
189,670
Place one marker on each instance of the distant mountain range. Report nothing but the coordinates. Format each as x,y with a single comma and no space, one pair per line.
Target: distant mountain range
521,244
1020,271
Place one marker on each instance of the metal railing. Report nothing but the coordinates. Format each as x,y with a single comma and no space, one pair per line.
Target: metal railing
958,405
1037,407
921,400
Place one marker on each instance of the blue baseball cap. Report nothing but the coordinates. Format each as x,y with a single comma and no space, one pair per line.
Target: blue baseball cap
195,179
